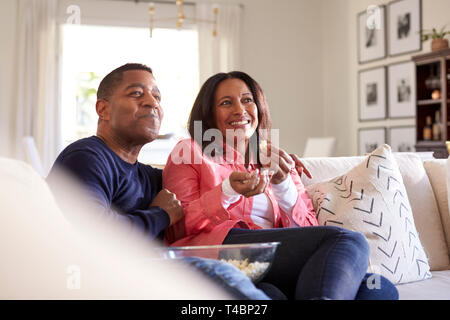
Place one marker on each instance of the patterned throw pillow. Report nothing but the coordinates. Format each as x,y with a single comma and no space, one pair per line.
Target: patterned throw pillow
371,199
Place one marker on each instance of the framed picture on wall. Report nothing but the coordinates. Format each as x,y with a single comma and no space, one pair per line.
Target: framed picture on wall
402,139
405,24
372,94
372,34
402,90
370,138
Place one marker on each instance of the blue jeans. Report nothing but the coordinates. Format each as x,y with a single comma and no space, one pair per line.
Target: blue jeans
318,263
228,277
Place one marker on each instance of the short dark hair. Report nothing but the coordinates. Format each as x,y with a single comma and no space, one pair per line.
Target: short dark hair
203,108
113,79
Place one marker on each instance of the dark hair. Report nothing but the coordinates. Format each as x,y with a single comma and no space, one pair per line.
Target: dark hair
203,108
113,79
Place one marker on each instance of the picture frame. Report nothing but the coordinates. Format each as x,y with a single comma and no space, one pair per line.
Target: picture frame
404,26
372,43
370,138
402,90
402,138
372,94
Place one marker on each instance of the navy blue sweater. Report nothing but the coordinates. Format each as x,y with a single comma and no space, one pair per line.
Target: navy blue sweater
122,190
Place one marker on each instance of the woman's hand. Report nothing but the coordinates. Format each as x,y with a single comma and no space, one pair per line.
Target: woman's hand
249,184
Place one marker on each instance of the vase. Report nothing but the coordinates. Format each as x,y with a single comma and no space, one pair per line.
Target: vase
439,44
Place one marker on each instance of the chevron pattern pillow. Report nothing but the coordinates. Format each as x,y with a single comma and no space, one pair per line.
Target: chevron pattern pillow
371,198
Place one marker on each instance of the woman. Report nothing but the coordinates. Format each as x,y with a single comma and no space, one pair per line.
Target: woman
232,194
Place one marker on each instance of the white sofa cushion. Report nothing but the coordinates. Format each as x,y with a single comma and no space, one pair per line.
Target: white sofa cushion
437,173
45,257
436,288
371,199
418,188
425,210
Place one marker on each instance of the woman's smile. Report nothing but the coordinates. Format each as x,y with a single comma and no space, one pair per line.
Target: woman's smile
240,124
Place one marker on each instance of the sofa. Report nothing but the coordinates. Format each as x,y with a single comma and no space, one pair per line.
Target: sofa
44,252
45,255
426,182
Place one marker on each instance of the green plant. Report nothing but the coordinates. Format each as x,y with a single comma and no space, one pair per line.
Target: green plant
434,34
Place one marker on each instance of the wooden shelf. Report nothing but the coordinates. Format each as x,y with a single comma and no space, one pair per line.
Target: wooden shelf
432,65
428,102
430,143
431,56
438,148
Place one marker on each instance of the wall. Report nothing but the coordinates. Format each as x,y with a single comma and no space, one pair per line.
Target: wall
341,66
282,50
303,53
92,12
8,13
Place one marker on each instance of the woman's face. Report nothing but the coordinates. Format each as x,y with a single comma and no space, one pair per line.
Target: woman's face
235,108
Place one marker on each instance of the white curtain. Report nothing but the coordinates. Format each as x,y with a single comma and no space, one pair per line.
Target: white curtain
221,53
37,79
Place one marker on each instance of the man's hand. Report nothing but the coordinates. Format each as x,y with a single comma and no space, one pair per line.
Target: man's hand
167,201
284,165
278,162
249,184
299,166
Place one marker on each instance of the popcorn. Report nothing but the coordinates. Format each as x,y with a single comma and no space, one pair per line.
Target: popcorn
252,270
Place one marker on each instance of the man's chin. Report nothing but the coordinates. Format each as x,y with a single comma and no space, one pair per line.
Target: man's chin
151,136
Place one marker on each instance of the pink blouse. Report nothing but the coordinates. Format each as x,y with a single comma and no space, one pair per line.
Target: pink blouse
197,182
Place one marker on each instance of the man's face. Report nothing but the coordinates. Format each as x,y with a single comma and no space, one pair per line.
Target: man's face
135,110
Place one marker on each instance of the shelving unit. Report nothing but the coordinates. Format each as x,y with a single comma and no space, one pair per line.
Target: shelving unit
433,73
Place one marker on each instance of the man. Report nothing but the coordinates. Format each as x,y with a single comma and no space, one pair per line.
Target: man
130,115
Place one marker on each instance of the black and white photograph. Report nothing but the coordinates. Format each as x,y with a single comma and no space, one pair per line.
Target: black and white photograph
402,139
371,38
372,94
405,23
402,90
372,34
370,138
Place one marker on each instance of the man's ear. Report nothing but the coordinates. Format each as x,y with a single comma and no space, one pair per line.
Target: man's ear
103,109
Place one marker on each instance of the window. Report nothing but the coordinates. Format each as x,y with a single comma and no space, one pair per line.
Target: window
91,52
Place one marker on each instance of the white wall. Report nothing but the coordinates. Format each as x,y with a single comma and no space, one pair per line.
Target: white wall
302,52
336,74
282,50
92,12
8,13
281,46
340,61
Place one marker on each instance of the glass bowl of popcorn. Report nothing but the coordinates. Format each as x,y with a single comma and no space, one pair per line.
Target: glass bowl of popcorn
253,259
